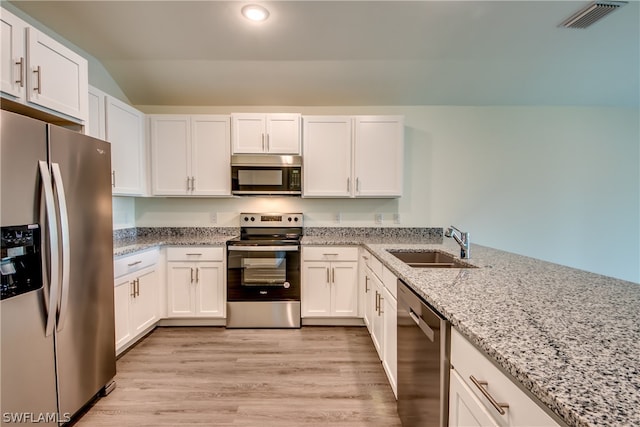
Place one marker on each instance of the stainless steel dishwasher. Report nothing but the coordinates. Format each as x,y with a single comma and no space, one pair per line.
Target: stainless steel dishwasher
423,362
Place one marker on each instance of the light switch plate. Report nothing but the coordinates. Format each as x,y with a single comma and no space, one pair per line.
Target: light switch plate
379,218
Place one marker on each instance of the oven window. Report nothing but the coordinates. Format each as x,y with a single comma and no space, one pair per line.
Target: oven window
264,269
259,177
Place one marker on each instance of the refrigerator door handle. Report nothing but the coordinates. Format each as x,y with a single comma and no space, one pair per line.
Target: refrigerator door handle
52,226
64,226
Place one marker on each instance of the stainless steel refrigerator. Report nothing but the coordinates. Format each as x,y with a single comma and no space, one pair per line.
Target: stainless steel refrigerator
56,312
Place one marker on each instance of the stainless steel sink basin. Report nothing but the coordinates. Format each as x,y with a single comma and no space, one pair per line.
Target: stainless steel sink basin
430,259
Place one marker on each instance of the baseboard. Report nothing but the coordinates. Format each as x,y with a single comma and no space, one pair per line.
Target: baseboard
332,321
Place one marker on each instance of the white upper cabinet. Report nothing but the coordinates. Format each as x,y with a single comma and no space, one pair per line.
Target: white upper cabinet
96,126
378,156
359,156
265,133
13,54
190,155
125,131
39,71
327,156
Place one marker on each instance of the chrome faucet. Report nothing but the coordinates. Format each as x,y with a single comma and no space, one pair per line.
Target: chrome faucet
463,241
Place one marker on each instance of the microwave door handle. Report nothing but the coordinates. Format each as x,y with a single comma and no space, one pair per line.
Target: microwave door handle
66,251
51,303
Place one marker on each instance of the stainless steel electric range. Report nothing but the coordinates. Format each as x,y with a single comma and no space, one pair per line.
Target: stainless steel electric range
263,272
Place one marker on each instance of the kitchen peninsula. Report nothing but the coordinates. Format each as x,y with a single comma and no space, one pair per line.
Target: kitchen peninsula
569,337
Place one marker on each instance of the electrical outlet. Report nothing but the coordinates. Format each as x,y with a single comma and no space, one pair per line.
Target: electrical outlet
337,218
379,218
396,218
213,217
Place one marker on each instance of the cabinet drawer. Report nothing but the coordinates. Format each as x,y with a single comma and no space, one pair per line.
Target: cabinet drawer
130,263
195,253
390,281
374,264
523,409
329,253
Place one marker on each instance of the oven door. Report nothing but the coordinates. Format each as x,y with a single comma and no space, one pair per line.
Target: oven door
263,273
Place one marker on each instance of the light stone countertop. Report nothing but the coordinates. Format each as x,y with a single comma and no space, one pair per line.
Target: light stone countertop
570,337
123,247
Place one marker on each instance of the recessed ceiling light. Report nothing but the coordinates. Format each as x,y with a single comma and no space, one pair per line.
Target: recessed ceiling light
255,12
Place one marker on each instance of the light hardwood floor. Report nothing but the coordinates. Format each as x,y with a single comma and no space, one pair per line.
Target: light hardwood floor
313,376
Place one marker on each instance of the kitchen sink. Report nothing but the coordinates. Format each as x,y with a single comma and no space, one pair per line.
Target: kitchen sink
430,259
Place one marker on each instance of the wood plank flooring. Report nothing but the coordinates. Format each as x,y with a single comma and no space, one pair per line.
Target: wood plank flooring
211,376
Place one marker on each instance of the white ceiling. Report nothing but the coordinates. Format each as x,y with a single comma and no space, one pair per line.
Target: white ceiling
355,52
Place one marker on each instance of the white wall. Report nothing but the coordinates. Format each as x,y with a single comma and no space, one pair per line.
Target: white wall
556,183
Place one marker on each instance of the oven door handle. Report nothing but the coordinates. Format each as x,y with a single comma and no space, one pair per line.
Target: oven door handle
263,248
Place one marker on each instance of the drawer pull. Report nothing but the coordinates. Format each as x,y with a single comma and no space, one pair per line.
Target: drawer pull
194,254
134,263
330,254
481,386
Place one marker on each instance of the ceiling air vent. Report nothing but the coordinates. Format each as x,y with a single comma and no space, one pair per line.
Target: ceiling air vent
591,14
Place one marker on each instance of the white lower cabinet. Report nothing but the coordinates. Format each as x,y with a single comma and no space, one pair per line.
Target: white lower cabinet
380,313
195,282
136,298
475,381
329,282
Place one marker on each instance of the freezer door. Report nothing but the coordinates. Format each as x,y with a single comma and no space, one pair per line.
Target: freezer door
85,338
28,384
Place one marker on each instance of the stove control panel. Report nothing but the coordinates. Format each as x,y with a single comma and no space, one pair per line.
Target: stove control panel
271,219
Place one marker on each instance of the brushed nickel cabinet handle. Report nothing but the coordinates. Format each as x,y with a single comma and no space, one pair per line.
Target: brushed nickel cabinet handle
133,289
193,183
194,254
381,306
134,263
267,143
197,274
188,184
191,275
137,287
357,185
481,386
21,64
263,142
348,185
327,271
366,284
38,88
333,275
113,179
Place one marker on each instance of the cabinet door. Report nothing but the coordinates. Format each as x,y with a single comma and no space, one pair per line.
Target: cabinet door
379,152
464,407
283,134
58,77
125,132
327,156
344,289
96,126
180,287
390,333
210,155
209,289
377,320
248,133
316,289
13,55
170,159
144,305
123,293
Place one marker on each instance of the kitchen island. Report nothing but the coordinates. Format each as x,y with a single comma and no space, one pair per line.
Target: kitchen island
569,337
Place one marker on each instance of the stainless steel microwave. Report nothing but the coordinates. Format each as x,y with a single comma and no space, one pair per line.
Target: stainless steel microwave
268,174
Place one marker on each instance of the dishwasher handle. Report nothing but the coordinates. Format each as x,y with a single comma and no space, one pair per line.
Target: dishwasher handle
422,325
